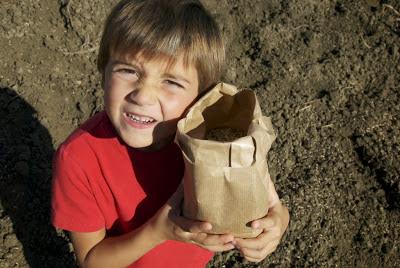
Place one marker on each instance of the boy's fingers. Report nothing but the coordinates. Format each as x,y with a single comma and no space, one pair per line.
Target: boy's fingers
220,248
265,223
213,240
259,242
190,225
225,238
259,254
252,259
251,243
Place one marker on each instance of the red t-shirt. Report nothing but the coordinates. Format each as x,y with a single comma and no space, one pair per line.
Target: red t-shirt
100,182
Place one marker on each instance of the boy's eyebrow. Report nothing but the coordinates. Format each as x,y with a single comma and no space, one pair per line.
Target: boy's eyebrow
119,62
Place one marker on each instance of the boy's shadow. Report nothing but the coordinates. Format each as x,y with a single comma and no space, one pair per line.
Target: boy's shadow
25,181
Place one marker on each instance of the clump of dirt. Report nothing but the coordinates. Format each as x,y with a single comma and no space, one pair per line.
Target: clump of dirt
327,72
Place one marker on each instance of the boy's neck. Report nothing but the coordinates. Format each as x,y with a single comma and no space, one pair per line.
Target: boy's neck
157,146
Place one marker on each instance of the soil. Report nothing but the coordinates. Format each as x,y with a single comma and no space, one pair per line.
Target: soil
327,72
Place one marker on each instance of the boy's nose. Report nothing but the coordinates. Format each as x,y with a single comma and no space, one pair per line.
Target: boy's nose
144,94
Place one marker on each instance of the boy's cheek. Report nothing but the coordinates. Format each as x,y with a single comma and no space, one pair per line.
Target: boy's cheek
174,107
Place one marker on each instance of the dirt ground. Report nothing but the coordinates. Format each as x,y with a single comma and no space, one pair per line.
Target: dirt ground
327,72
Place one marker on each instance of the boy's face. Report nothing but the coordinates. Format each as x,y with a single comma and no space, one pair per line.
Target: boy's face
144,99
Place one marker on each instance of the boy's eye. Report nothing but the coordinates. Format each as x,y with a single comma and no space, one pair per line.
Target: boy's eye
127,71
173,83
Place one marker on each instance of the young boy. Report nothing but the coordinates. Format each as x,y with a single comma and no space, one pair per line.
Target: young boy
116,178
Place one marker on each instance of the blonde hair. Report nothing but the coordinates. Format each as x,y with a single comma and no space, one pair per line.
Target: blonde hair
165,28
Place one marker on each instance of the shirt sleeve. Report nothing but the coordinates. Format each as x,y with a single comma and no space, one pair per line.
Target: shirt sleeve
74,207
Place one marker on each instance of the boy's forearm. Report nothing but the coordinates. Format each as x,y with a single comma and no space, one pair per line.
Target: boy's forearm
276,204
121,251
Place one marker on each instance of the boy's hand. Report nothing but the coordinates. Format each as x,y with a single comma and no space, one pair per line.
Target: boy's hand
191,231
273,225
170,225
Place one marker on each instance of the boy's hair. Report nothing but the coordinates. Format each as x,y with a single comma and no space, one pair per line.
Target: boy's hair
165,28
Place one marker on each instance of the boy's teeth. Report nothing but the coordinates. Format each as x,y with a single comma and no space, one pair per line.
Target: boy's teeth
142,119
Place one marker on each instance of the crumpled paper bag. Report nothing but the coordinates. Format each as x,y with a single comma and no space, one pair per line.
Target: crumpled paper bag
226,183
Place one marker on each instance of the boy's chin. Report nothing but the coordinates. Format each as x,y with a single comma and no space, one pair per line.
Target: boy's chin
147,142
138,143
145,145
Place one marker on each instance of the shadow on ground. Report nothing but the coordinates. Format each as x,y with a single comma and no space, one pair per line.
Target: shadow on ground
25,178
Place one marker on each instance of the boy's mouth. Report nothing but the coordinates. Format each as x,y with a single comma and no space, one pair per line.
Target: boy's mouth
140,118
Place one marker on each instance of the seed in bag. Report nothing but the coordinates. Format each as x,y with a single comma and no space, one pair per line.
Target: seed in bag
225,134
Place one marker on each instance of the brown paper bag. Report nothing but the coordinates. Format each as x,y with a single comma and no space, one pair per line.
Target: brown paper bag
225,183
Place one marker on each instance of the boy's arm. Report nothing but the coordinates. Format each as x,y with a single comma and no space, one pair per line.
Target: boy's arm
83,242
93,249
